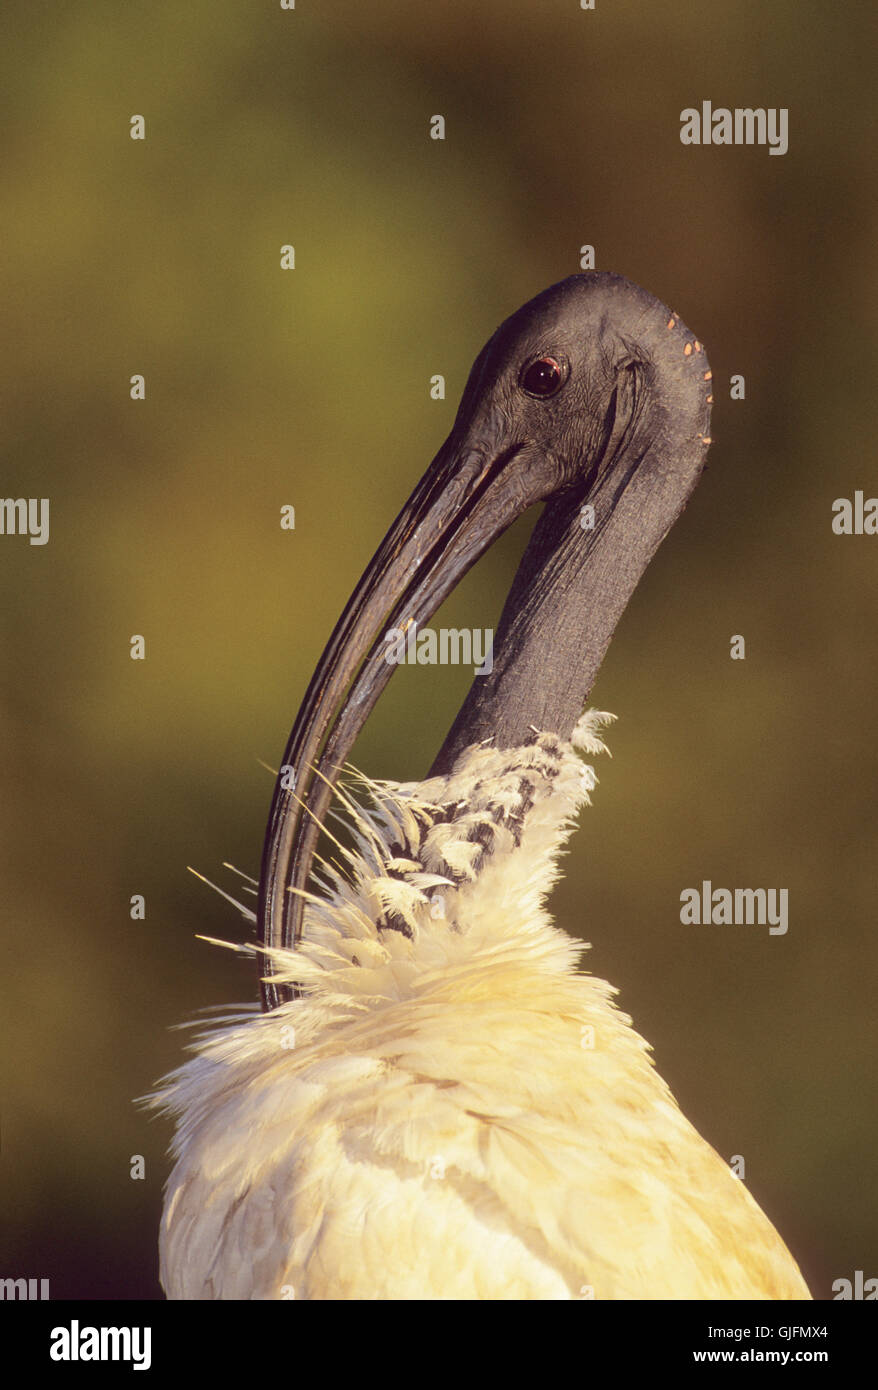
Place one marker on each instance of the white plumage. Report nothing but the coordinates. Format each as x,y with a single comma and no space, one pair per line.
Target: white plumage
452,1109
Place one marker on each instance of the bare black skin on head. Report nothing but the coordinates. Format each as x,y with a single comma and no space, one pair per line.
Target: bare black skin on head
626,432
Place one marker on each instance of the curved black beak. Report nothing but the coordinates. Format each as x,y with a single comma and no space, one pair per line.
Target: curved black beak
463,503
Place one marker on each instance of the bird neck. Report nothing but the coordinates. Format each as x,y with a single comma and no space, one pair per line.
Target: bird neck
582,565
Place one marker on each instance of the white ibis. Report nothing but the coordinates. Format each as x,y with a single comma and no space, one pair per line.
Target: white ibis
435,1102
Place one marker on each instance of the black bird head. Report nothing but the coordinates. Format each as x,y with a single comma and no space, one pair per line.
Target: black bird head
593,398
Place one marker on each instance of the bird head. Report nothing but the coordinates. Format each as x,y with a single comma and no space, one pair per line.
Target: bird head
593,398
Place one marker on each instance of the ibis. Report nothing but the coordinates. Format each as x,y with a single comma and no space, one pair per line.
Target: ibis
433,1100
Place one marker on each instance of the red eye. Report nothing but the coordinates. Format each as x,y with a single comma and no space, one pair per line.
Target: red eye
542,377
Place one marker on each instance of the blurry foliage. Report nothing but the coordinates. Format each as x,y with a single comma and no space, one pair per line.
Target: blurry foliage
310,387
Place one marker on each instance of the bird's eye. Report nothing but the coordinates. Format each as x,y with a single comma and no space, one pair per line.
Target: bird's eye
542,377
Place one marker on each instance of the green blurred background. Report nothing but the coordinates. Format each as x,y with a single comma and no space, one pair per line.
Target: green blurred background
310,387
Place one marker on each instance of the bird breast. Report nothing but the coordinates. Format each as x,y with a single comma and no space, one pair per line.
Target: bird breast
450,1109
